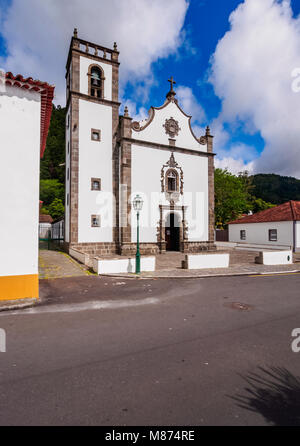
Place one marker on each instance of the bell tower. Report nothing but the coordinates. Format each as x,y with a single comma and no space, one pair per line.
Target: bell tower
92,81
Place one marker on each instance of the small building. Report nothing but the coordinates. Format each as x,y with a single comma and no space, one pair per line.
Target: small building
45,226
279,226
25,113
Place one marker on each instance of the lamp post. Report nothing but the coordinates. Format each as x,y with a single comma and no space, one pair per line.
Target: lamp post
138,205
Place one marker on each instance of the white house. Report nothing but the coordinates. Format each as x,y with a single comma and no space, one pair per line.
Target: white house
25,112
110,159
279,226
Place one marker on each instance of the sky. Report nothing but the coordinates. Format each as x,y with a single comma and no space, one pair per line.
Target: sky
236,64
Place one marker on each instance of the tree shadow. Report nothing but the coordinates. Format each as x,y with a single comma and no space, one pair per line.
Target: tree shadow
273,392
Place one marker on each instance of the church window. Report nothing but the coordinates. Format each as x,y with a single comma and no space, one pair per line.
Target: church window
172,181
96,135
96,184
96,223
96,82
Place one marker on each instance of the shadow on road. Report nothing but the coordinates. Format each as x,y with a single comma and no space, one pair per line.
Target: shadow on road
274,393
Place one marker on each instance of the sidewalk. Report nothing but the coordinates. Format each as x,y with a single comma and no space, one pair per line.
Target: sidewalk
241,263
56,265
52,265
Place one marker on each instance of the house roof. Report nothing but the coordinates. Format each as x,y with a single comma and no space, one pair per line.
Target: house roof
47,94
289,211
46,218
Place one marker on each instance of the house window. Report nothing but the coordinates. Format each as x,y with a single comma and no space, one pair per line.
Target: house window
96,86
95,221
68,173
96,184
172,181
68,147
273,235
243,235
68,199
96,135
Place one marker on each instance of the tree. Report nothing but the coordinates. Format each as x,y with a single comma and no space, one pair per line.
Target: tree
232,196
275,188
260,205
54,156
56,209
51,189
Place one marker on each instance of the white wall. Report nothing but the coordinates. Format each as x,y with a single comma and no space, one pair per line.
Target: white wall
20,115
155,132
297,233
258,233
195,168
84,78
95,161
68,176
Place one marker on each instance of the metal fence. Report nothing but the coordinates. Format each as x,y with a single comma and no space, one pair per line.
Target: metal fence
51,236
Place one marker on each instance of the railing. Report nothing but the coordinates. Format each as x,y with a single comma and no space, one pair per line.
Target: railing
97,50
51,236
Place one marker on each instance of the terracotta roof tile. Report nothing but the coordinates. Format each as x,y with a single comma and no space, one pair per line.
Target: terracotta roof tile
46,218
289,211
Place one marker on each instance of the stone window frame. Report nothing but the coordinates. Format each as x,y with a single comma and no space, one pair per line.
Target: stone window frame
93,180
243,234
167,182
98,133
98,218
101,88
273,238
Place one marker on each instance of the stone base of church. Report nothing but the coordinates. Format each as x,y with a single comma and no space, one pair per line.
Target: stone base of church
129,249
96,249
146,249
197,247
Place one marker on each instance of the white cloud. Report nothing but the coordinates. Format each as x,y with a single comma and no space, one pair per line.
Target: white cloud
189,104
38,34
234,166
251,73
137,114
237,159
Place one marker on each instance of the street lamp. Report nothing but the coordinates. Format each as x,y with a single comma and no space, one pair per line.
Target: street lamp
138,205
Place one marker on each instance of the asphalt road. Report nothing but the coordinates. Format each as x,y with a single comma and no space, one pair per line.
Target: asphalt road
154,352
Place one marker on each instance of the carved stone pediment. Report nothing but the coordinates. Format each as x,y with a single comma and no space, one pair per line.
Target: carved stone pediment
172,127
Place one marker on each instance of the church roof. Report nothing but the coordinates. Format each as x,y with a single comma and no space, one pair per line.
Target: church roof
47,94
289,211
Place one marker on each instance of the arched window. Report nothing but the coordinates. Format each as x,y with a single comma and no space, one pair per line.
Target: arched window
172,181
96,87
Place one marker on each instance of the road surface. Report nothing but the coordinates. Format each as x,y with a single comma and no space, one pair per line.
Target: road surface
154,352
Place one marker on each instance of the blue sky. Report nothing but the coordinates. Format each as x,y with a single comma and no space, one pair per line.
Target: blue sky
245,137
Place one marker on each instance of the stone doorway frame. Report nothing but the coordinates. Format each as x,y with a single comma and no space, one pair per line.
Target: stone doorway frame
164,210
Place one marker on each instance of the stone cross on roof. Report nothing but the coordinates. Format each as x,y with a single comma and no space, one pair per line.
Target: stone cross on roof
172,82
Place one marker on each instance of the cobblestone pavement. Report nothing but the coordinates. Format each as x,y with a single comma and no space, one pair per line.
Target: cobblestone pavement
56,264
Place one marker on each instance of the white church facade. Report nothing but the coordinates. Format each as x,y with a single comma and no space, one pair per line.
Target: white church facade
110,159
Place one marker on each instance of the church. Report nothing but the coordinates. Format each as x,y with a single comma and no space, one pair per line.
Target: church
110,159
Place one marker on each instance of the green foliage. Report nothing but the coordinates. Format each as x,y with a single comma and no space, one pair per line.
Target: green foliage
51,189
232,196
260,205
275,188
52,184
54,155
56,209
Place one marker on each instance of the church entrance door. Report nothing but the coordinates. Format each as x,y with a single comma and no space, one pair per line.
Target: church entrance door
172,235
